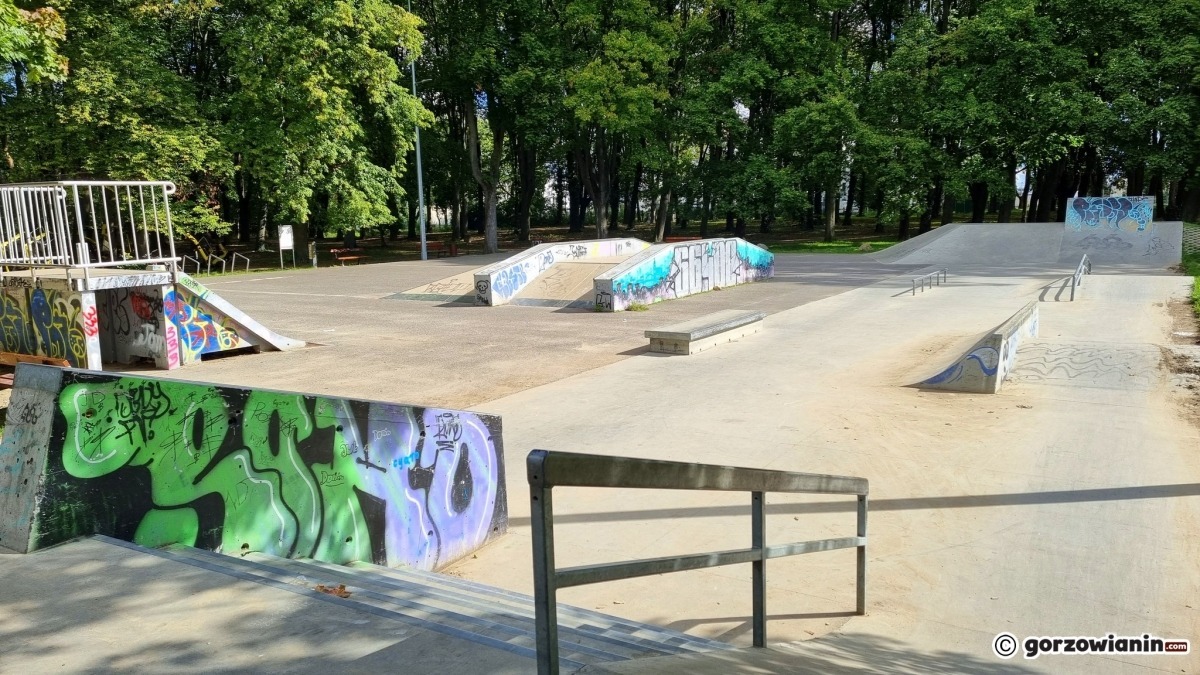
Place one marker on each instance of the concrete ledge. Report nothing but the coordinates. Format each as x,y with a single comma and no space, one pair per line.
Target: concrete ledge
689,337
982,370
497,283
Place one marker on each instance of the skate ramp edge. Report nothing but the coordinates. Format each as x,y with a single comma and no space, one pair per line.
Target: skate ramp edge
498,283
207,323
669,271
238,470
983,369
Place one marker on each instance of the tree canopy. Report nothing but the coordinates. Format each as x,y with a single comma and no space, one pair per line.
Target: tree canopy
749,113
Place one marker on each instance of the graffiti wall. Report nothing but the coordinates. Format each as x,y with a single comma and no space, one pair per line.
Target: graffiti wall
672,271
497,284
42,320
230,469
135,327
200,329
985,367
1115,213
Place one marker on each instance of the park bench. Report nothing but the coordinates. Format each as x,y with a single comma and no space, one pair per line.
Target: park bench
673,240
442,248
696,335
343,255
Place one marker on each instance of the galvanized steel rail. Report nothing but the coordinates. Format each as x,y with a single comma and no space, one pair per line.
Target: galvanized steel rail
86,224
938,276
547,470
1085,267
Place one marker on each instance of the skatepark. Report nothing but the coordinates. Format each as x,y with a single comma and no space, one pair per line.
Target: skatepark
1065,503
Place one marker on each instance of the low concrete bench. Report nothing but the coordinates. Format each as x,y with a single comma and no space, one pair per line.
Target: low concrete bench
707,331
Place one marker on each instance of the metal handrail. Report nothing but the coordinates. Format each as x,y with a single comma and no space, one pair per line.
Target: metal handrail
937,275
547,470
1084,267
86,224
186,258
211,258
236,255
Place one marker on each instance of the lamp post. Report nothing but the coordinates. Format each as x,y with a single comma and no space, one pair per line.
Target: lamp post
420,178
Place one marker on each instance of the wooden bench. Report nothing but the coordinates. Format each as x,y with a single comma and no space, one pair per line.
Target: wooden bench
442,248
343,255
707,331
674,240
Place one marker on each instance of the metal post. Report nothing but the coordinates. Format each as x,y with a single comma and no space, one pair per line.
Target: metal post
420,178
544,586
758,541
862,555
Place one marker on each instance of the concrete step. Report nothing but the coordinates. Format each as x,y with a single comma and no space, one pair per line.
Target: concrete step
456,607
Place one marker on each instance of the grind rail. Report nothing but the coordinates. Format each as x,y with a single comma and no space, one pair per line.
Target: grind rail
547,470
1084,267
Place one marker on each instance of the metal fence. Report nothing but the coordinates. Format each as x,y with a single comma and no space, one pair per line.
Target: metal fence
548,470
86,224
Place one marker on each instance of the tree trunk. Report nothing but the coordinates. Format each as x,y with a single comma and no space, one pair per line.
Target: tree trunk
527,174
846,218
948,203
1025,198
489,184
1004,215
559,189
595,172
664,213
831,211
633,196
902,234
979,195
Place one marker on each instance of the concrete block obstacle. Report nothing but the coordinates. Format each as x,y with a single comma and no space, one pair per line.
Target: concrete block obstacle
674,270
985,366
696,335
240,470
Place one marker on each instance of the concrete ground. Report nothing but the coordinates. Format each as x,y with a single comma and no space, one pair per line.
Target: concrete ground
1065,505
88,607
457,355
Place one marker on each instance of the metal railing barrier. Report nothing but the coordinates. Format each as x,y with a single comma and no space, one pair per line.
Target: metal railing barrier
211,258
235,257
547,470
86,224
1085,267
184,263
938,276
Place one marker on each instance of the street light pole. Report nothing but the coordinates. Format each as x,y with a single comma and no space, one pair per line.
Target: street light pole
420,177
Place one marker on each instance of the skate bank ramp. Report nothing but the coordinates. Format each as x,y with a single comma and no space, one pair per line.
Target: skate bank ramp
239,470
1052,245
674,270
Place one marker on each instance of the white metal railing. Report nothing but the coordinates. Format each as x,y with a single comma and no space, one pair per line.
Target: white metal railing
86,224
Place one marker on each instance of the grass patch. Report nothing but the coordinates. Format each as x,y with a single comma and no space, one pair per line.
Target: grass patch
637,307
831,247
1191,267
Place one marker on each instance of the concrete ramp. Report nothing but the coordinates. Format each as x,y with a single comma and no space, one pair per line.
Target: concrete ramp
207,323
984,367
499,283
1129,247
566,284
669,271
458,288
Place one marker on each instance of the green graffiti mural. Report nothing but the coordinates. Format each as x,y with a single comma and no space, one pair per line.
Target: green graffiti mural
288,474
